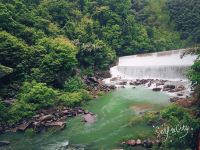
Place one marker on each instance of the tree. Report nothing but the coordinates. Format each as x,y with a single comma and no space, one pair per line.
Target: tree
57,62
97,55
186,15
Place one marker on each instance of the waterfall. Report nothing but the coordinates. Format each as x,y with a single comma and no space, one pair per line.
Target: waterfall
161,65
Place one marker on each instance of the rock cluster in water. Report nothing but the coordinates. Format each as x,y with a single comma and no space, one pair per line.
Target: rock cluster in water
177,88
145,143
96,85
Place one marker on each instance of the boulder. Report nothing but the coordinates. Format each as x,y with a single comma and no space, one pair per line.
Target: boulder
114,79
46,117
36,124
179,94
138,82
4,143
138,142
65,112
64,145
93,79
172,91
168,87
80,111
58,124
159,83
24,126
122,83
149,84
131,142
180,88
156,89
147,144
112,87
89,118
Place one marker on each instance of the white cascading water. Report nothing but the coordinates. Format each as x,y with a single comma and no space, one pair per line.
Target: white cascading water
161,65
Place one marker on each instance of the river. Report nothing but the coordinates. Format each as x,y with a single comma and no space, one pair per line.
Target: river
113,114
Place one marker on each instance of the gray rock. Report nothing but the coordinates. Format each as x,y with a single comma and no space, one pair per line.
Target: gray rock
168,87
46,117
156,89
58,124
4,143
24,126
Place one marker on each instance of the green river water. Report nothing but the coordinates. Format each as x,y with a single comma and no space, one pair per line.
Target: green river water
113,113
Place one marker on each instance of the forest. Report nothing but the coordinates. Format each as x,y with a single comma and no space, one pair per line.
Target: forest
47,47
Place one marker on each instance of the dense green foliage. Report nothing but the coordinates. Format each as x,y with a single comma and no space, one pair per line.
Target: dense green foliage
186,15
74,84
35,96
179,118
154,15
194,72
5,70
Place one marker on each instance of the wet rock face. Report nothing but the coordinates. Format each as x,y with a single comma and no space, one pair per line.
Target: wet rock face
96,85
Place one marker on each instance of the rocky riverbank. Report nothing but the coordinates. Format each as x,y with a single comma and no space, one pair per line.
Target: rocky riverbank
57,117
144,143
50,118
96,85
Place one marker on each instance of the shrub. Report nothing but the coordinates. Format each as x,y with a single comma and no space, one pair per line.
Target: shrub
194,73
73,99
37,94
20,110
151,118
185,125
33,96
70,99
74,84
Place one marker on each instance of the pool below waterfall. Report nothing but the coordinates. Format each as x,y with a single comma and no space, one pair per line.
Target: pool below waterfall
113,113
